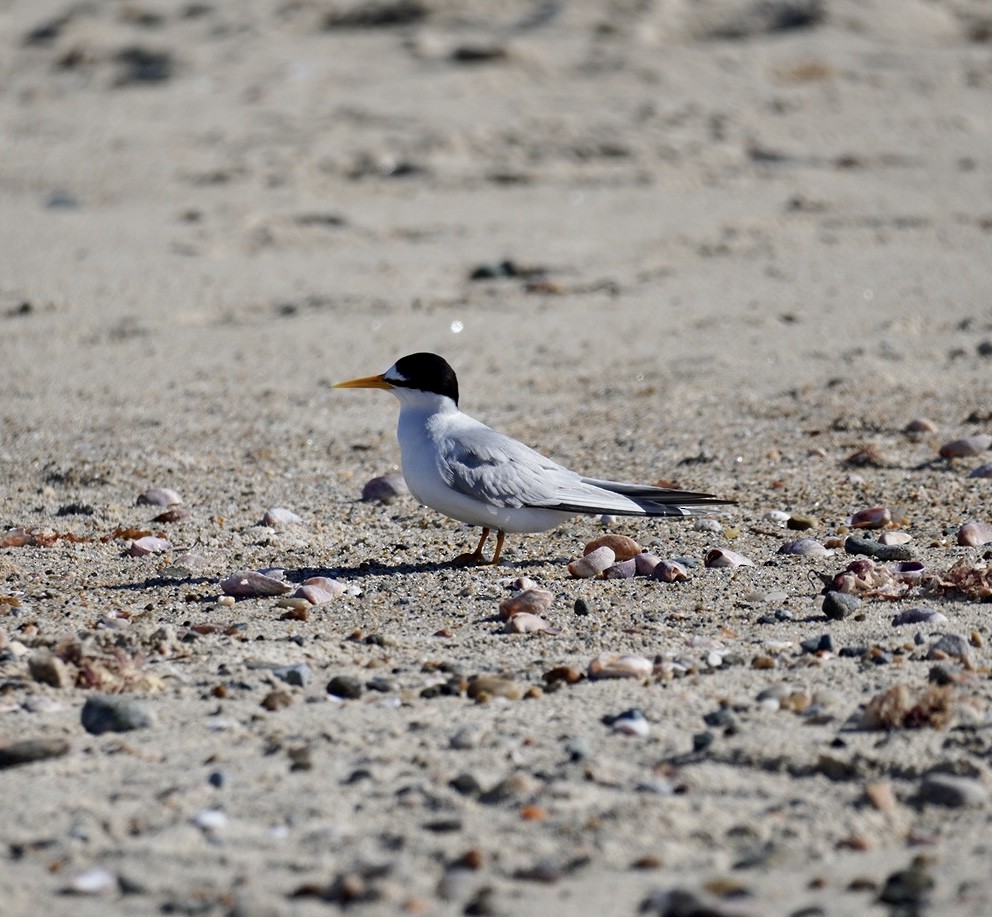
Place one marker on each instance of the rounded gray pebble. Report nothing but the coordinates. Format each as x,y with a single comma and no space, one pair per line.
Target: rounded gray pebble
952,792
838,605
114,713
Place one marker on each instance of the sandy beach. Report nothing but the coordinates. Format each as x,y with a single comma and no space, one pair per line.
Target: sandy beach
737,246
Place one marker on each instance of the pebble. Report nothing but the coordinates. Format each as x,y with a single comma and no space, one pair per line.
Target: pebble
669,571
918,616
920,425
705,524
524,622
630,722
45,667
805,547
255,584
822,644
516,787
975,534
968,446
531,600
777,516
953,645
149,544
159,496
483,688
114,713
279,699
724,557
952,791
614,665
320,589
800,523
345,686
838,605
468,737
592,564
298,674
279,515
28,751
875,517
859,544
624,569
881,796
176,514
623,548
386,488
982,471
96,880
563,673
908,889
210,820
644,563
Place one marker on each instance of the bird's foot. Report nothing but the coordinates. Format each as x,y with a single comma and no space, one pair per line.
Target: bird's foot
470,559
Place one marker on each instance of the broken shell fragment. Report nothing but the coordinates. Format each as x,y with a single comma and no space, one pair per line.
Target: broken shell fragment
724,557
615,665
385,489
623,548
974,534
804,547
982,471
892,538
320,589
159,496
523,622
254,584
533,601
669,571
630,722
592,564
875,517
141,547
279,515
624,569
969,445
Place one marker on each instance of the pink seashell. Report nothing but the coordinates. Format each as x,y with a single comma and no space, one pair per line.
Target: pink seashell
523,622
644,563
592,564
533,601
385,488
280,516
724,557
150,544
805,547
623,548
253,584
974,534
669,571
970,445
875,517
895,538
615,665
982,471
918,616
624,569
159,496
320,589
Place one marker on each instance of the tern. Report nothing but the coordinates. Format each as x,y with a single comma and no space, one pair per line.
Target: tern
470,472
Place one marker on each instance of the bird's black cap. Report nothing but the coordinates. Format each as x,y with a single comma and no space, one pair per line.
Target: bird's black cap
426,372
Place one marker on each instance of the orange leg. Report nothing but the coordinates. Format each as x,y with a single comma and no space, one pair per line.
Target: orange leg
500,535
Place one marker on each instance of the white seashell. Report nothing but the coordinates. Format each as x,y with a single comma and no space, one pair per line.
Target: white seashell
875,517
592,564
150,544
974,534
320,589
969,445
631,723
624,569
644,563
295,602
623,548
280,516
724,557
982,471
918,616
805,547
895,538
210,820
615,665
385,488
93,881
669,571
533,601
254,583
159,496
521,583
707,525
523,622
607,520
777,516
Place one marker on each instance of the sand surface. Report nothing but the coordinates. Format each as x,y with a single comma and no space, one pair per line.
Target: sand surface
745,241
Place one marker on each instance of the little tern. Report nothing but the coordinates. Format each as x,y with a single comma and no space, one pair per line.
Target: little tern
470,472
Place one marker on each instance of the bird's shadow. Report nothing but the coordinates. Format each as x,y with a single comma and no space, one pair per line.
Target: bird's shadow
373,568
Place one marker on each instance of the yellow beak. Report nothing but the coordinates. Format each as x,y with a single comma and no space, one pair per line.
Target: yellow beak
365,382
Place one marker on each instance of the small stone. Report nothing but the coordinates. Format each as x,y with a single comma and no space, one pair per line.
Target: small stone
592,564
28,751
534,601
920,425
800,522
297,675
953,645
858,544
966,447
838,605
918,616
881,796
982,471
279,515
317,590
630,722
485,687
385,489
255,584
777,516
149,544
705,524
176,514
345,686
466,785
724,557
952,792
516,787
581,607
159,496
822,644
567,674
804,547
523,622
612,665
623,548
625,569
93,881
114,713
277,699
908,889
975,534
45,667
